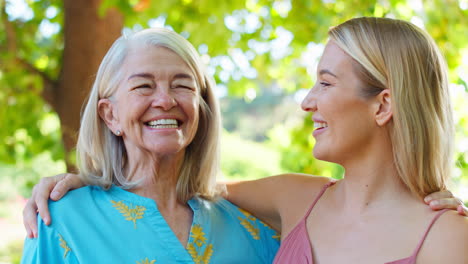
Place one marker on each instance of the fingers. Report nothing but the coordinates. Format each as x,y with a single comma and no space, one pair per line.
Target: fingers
54,187
462,210
445,203
30,218
65,183
438,195
41,197
38,203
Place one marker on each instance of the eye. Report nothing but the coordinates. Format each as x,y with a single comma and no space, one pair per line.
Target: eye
183,86
324,84
143,86
143,89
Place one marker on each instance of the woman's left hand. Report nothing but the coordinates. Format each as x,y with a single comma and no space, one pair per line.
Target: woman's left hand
446,200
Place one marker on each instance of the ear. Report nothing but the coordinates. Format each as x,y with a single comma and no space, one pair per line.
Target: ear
106,112
384,113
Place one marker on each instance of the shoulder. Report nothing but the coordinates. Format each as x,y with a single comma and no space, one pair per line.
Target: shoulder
450,229
218,207
77,204
248,222
289,186
50,246
227,211
76,197
256,240
296,193
298,188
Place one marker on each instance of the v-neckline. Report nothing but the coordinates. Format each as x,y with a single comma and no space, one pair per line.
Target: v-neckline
160,224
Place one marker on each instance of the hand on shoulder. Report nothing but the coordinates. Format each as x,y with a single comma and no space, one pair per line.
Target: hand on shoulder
54,187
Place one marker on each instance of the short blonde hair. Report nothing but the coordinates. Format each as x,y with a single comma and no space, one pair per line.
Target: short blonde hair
102,156
397,55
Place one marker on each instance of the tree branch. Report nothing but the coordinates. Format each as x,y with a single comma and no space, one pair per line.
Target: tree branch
49,84
9,31
11,47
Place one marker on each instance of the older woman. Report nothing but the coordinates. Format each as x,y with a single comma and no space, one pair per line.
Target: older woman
148,145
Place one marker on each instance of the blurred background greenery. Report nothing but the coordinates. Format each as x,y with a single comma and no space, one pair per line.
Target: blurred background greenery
262,53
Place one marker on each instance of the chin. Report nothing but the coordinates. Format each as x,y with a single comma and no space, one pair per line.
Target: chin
166,149
321,155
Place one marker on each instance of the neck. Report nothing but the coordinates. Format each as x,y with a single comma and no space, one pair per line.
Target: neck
371,181
158,176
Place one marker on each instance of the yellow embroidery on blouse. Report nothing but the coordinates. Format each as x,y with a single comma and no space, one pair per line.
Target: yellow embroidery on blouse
276,236
199,240
131,213
63,244
198,235
146,261
248,222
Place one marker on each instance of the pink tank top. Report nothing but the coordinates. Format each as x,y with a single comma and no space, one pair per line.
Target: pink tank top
296,247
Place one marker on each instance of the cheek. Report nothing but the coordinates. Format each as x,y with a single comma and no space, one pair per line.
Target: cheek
131,109
195,116
191,105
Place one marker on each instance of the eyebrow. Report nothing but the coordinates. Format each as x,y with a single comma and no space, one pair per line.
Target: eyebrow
151,76
183,76
141,75
325,71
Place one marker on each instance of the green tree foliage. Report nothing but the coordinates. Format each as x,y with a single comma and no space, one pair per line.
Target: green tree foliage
250,45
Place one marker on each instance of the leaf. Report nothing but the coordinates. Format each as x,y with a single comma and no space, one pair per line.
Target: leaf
64,245
130,214
249,227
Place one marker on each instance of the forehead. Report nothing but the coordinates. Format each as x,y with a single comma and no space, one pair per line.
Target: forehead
335,59
153,59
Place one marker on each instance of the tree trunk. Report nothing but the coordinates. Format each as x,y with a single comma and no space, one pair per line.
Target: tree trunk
87,38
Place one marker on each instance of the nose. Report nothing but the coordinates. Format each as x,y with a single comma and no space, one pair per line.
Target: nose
309,104
164,99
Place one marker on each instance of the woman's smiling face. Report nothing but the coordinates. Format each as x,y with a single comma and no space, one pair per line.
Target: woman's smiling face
342,117
157,102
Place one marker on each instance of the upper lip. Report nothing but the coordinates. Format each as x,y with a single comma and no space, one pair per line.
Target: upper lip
318,120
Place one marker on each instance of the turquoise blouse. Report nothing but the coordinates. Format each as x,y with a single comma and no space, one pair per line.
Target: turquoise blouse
91,225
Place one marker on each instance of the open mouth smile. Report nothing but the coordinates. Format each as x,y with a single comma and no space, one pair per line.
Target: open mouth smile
163,123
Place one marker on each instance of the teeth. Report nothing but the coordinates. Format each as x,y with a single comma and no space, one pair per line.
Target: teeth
164,126
320,125
163,123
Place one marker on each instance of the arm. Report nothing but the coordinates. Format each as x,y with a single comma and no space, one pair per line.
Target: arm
55,187
286,197
271,198
266,198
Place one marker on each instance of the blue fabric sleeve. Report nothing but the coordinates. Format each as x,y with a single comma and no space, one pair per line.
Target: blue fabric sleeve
270,241
265,239
47,247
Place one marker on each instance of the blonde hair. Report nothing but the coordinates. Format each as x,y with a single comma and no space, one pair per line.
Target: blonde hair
396,55
102,156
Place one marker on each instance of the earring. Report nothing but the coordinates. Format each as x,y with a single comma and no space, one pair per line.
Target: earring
118,133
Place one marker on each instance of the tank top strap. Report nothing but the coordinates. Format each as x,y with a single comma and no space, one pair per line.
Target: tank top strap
324,188
416,251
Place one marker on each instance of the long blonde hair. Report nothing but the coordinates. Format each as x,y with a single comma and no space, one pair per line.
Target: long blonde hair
397,55
102,156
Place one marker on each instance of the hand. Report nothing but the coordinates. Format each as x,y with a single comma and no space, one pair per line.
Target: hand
55,187
445,200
